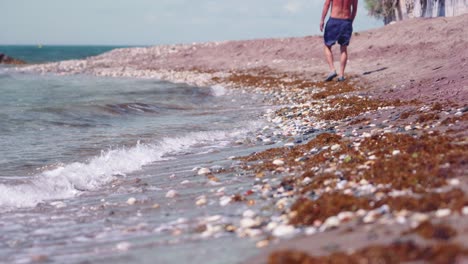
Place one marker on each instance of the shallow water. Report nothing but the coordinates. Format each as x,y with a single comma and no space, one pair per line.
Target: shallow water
75,148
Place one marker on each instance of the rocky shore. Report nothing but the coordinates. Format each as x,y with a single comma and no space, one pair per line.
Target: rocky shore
5,59
372,170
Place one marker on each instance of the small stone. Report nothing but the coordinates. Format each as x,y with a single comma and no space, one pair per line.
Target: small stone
443,213
123,246
201,201
310,231
156,206
185,182
204,171
284,231
345,216
131,200
396,152
306,180
225,200
419,217
249,214
262,243
331,222
335,147
248,223
171,194
454,182
278,162
465,210
58,204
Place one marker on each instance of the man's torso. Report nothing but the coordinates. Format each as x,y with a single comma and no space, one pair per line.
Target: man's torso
341,9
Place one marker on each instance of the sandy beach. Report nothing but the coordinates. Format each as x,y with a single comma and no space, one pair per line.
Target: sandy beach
386,181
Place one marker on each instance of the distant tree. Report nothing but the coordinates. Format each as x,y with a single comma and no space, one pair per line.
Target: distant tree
382,9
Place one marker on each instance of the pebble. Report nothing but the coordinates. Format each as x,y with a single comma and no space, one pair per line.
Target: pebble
278,162
396,152
262,243
335,147
123,246
454,182
201,200
443,213
249,214
249,223
345,216
58,204
204,171
284,231
131,200
156,206
465,210
330,222
310,231
171,194
225,200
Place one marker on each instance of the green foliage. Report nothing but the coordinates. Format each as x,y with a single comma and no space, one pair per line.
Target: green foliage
375,8
382,9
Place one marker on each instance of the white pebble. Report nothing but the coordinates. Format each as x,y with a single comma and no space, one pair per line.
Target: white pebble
249,214
201,201
465,210
306,180
123,246
171,194
225,200
278,162
310,231
443,213
331,222
284,231
335,147
131,201
58,204
396,152
204,171
454,182
248,223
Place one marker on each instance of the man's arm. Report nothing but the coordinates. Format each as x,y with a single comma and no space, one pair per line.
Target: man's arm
354,5
326,6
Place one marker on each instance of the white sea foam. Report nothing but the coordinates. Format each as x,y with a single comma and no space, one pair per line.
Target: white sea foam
70,180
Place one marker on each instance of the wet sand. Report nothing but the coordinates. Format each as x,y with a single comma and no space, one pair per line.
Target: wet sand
393,157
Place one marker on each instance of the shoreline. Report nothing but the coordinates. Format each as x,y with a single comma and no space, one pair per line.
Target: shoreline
394,154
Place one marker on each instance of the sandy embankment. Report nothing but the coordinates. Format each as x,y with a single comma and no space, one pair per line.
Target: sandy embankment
396,155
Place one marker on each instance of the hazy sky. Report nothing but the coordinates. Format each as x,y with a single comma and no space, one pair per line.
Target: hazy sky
144,22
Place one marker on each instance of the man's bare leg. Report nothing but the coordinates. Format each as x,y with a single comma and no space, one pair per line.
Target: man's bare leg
329,55
343,60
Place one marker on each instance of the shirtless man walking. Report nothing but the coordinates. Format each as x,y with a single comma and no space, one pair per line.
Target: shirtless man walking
339,29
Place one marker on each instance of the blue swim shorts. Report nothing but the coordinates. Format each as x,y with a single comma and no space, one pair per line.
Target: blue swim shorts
338,30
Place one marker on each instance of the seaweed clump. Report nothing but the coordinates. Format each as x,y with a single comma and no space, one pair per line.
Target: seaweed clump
396,252
431,231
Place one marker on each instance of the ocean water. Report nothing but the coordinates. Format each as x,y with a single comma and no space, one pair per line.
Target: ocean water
74,149
49,53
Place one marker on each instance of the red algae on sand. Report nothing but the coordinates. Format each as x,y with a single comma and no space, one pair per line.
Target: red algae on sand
397,252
